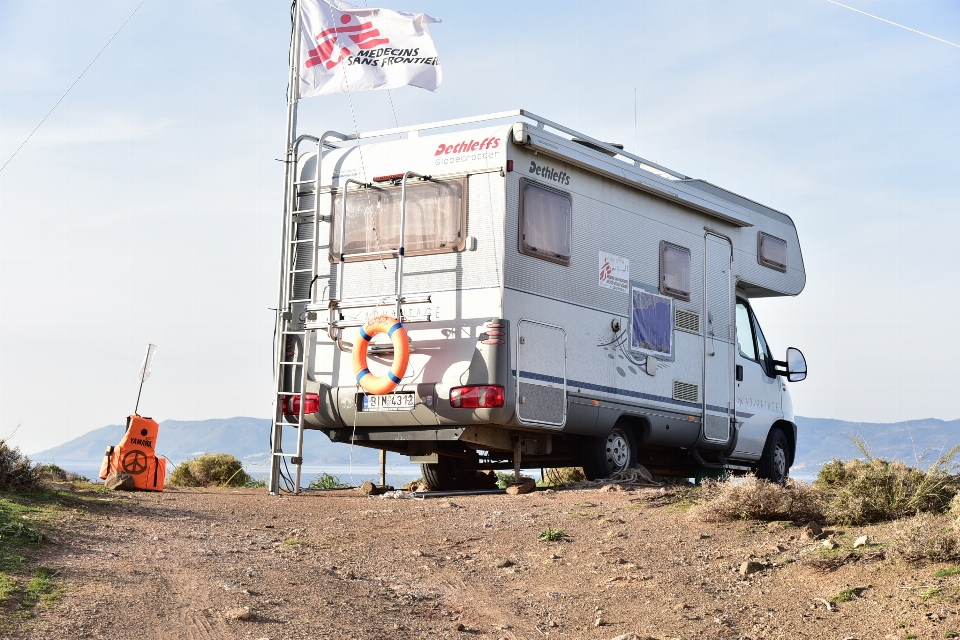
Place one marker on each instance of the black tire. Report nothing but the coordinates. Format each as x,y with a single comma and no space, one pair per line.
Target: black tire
774,465
450,474
603,457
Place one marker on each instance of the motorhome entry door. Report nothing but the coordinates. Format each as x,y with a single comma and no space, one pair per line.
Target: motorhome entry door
719,337
541,373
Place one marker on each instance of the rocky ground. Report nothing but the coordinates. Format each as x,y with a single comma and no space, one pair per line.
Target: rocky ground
241,564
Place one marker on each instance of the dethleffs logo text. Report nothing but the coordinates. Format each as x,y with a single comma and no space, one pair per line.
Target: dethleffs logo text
367,42
466,147
549,173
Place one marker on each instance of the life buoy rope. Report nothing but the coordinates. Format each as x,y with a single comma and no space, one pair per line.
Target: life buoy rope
381,385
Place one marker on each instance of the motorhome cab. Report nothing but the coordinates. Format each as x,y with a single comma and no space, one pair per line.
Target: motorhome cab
565,303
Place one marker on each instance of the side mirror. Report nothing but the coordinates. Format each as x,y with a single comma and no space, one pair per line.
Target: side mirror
796,365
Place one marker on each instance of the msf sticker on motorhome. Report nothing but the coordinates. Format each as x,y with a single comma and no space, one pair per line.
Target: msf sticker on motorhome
503,292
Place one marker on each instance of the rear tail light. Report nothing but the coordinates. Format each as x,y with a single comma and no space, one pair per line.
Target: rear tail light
478,397
291,406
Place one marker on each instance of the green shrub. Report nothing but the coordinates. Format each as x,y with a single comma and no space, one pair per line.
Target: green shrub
52,472
327,481
755,499
17,473
551,535
506,478
211,469
859,492
256,483
56,473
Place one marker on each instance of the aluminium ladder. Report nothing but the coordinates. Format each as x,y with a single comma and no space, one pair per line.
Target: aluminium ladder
298,276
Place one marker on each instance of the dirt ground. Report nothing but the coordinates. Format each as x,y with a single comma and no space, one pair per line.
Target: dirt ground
339,565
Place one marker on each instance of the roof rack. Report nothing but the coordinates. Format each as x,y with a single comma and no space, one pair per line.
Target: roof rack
626,157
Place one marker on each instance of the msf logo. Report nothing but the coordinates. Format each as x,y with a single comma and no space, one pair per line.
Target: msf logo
330,52
606,270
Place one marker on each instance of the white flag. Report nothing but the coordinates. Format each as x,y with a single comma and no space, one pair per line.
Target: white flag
348,48
145,370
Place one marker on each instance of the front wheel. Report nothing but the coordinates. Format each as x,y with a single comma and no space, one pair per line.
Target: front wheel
773,461
605,456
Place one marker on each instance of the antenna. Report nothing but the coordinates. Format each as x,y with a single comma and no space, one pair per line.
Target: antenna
145,371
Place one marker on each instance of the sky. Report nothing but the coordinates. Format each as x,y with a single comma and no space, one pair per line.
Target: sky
147,208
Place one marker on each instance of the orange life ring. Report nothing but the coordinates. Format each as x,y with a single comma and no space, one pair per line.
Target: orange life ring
381,385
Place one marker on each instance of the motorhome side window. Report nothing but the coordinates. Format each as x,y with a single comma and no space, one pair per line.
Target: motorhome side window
435,216
675,271
772,252
745,332
545,222
766,360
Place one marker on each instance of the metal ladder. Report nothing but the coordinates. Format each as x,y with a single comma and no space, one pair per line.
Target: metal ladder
298,276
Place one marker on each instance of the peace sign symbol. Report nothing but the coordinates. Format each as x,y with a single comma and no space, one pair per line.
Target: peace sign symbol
134,462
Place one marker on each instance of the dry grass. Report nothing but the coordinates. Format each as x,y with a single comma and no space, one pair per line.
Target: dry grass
212,469
756,499
860,492
564,475
927,538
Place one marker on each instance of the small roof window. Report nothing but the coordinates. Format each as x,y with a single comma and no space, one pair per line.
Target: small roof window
772,252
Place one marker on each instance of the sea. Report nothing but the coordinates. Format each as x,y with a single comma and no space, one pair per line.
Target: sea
354,475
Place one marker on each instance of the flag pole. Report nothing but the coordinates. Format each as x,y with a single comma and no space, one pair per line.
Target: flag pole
289,177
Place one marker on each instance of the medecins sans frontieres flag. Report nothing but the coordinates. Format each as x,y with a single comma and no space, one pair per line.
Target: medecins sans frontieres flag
347,48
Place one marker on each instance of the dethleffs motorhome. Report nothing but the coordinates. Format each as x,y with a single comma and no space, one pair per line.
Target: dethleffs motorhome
565,304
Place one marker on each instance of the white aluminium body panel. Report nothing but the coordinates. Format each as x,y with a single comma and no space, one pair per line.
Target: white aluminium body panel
465,287
581,325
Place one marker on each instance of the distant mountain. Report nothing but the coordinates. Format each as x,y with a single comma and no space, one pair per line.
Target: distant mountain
819,440
245,438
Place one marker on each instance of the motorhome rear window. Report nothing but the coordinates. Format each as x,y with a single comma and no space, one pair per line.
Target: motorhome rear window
772,252
545,222
436,213
675,271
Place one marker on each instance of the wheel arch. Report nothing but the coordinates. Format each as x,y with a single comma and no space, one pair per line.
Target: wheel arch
639,425
789,429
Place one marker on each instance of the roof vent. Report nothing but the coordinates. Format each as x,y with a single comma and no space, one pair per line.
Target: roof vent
597,147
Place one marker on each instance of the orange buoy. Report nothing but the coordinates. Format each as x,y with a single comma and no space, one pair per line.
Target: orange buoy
381,385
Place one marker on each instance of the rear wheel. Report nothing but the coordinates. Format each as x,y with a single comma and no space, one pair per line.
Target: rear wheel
451,473
773,464
605,456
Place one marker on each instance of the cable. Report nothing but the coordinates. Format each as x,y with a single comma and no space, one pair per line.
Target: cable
952,44
72,85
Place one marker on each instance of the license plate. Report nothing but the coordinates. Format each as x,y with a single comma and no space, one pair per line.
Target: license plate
389,402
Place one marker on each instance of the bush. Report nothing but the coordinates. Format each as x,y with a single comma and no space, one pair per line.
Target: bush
860,492
16,471
755,499
564,475
506,478
927,538
256,483
56,473
211,469
327,481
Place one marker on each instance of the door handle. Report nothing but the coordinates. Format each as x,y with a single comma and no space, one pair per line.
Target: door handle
739,373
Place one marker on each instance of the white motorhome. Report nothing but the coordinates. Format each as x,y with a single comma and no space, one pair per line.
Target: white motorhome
567,304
